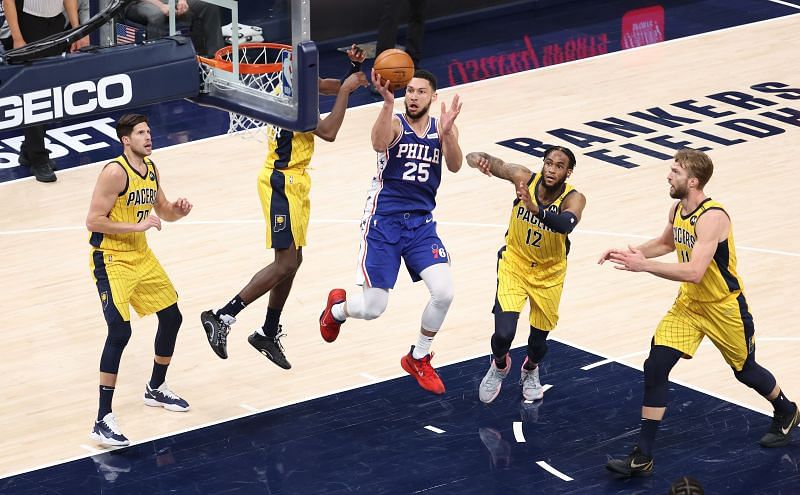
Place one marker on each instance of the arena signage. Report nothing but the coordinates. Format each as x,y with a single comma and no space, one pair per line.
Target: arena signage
79,98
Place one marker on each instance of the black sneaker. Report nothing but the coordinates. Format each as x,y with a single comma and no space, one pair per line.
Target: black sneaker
23,160
636,464
780,432
270,347
43,172
217,329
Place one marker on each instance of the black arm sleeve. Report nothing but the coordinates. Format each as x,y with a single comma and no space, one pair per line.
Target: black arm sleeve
562,223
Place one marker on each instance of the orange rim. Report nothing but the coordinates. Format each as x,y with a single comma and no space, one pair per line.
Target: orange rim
222,59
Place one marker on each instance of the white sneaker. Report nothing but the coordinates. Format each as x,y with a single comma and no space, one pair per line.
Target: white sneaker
164,397
106,432
491,383
529,379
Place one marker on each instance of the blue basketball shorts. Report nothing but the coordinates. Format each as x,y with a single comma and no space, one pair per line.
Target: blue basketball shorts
386,239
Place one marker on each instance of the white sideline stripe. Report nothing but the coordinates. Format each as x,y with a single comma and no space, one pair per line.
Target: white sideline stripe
475,83
369,377
613,360
786,3
92,449
679,382
339,220
518,432
555,472
434,429
546,387
248,407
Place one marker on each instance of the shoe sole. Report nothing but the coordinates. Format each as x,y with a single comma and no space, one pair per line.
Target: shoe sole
414,375
108,442
634,474
168,407
208,336
269,356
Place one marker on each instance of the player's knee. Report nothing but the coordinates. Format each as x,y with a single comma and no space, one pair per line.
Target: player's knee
756,377
374,310
169,322
442,297
119,333
505,325
170,317
286,267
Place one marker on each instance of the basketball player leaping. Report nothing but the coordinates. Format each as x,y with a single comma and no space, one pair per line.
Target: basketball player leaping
397,220
710,303
533,263
283,186
127,272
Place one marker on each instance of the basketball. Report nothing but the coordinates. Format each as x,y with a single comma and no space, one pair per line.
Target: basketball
396,66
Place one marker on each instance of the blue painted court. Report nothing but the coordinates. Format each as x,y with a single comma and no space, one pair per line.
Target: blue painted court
374,440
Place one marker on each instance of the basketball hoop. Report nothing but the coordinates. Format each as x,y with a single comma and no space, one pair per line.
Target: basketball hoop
264,68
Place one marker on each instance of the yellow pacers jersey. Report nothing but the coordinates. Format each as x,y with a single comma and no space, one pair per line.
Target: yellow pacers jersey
288,149
720,279
132,206
536,246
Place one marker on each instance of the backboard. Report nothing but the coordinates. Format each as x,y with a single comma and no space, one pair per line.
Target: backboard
230,85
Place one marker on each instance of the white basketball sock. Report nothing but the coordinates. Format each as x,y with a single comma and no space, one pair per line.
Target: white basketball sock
423,346
338,312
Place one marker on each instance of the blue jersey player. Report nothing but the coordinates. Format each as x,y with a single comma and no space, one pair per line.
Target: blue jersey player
397,222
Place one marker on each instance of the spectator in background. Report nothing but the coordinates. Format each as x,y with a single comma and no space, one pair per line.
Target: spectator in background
5,32
206,26
33,21
387,28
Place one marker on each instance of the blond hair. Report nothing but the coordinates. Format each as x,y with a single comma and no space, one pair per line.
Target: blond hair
697,163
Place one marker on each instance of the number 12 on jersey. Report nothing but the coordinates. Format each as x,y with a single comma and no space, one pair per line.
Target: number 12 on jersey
533,238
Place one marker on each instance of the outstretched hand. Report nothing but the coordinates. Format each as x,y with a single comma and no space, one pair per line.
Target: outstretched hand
631,260
382,87
480,161
356,54
448,117
524,195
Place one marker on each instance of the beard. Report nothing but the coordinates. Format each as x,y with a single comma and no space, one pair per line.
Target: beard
677,192
419,113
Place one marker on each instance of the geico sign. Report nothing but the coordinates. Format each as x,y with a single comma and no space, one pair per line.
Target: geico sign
55,103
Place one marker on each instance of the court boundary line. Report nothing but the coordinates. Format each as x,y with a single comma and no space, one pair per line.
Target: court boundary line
447,89
787,4
44,230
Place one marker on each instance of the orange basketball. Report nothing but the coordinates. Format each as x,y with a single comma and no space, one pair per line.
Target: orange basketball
396,66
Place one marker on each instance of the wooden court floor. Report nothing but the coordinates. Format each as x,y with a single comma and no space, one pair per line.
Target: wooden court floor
53,328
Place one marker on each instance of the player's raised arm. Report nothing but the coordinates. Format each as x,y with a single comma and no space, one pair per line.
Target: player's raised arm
386,128
110,184
328,128
711,227
493,166
448,134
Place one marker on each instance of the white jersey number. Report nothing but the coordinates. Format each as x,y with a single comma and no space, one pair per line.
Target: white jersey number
417,172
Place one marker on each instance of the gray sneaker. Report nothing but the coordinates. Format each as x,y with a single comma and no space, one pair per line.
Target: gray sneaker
491,383
529,379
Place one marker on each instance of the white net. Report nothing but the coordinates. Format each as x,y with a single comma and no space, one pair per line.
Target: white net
264,68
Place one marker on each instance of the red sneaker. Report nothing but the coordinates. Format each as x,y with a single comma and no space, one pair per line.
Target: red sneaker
328,325
422,370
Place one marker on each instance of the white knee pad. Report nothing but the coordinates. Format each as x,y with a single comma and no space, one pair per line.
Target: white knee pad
440,284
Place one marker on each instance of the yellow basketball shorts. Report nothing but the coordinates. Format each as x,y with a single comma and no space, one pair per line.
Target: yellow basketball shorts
728,324
516,284
286,206
131,278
